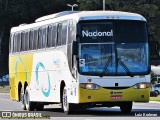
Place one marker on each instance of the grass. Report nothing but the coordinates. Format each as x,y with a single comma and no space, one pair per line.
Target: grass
155,99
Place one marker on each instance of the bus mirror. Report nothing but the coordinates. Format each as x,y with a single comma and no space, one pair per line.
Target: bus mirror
75,48
77,36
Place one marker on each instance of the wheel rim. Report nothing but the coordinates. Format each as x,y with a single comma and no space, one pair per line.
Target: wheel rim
156,93
65,106
26,98
21,98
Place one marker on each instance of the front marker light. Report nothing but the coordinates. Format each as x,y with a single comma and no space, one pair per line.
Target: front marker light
142,85
89,86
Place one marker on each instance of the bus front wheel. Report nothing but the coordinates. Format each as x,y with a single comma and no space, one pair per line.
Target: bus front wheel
126,107
30,106
67,107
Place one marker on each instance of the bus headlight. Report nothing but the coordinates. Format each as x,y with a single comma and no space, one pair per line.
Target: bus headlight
89,86
142,85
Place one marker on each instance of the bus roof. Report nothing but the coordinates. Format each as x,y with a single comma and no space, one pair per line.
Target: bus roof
80,15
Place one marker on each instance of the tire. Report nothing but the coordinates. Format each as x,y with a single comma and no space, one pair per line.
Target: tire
30,106
67,107
22,99
126,107
156,93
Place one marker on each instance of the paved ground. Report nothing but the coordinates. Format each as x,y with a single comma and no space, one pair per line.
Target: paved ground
139,109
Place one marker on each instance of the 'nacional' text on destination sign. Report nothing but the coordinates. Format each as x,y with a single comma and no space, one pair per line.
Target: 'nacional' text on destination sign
96,33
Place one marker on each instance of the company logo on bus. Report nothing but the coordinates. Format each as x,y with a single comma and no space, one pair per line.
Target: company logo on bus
113,93
96,33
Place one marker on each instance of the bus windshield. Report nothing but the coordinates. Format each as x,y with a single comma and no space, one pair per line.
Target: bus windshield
113,48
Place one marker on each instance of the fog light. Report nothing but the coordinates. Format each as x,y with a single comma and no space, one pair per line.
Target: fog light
89,97
142,96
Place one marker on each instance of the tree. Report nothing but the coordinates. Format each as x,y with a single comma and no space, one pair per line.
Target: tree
16,12
3,9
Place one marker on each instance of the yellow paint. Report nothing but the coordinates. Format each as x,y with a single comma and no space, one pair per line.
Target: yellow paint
104,95
24,69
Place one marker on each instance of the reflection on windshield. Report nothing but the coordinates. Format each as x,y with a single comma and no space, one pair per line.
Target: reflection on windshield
95,56
134,56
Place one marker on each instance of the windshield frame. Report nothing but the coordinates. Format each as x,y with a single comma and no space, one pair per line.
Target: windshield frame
116,74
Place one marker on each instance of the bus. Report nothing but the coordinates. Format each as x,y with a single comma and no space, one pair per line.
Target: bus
80,59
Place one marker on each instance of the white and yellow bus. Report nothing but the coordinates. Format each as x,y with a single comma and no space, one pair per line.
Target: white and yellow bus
80,59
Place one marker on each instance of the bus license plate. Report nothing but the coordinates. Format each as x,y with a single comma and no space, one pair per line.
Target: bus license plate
116,97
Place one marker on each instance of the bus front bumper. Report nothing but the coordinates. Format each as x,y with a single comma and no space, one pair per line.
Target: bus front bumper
113,95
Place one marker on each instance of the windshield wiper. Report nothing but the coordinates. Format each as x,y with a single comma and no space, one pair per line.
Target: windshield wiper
125,67
106,65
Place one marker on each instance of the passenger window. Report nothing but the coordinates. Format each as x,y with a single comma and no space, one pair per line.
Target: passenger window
11,43
23,41
26,40
18,42
44,37
31,39
64,33
15,43
40,38
35,39
52,36
59,34
71,31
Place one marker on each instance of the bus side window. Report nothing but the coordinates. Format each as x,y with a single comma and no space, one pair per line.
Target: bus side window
64,33
59,38
52,36
44,37
49,35
31,38
69,47
70,32
40,38
15,43
11,43
18,42
23,41
71,38
35,39
26,40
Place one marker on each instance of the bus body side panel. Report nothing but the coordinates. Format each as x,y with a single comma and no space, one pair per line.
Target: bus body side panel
49,69
20,67
43,72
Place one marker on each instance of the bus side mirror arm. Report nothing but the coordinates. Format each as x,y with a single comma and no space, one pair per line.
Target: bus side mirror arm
75,48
